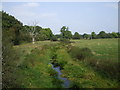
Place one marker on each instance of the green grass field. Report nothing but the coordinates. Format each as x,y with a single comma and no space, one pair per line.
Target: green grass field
101,48
34,70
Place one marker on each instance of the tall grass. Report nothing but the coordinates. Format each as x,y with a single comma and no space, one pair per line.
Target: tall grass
107,68
79,65
35,71
79,53
101,48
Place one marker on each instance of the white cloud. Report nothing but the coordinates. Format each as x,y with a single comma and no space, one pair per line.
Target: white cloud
23,12
31,5
28,12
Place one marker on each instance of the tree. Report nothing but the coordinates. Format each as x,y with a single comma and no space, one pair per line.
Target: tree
58,35
68,34
118,34
49,33
33,31
12,26
102,34
25,35
45,34
93,35
76,35
109,35
39,34
115,35
54,38
63,29
65,33
86,36
10,36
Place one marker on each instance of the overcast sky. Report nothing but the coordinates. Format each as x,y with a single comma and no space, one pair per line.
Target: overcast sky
82,17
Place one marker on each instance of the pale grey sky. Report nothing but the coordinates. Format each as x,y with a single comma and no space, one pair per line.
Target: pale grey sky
83,17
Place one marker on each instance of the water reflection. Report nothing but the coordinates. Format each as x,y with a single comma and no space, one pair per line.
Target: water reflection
66,82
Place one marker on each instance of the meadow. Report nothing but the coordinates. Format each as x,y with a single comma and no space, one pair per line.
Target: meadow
35,57
101,48
86,63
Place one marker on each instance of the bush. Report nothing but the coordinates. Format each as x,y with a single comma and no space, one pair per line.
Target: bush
54,38
108,67
80,54
105,67
64,40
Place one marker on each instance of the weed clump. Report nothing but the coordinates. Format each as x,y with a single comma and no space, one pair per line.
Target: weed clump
54,38
79,53
109,68
65,41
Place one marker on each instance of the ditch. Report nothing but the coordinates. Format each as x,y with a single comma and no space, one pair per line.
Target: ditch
66,82
58,67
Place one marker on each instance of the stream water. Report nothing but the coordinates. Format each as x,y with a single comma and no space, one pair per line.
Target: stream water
66,82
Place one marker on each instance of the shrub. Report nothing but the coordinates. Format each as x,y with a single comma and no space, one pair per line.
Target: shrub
54,38
64,40
105,67
80,54
108,67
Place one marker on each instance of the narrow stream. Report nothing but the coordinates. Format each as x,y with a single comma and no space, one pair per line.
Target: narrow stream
66,82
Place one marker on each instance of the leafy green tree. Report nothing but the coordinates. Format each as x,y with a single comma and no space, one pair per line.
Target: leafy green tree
118,34
86,36
109,35
12,26
33,31
25,35
115,35
46,34
54,38
68,34
102,34
93,35
49,33
10,36
80,36
63,29
65,33
58,35
76,35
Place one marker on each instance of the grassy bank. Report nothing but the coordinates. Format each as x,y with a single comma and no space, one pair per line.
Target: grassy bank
78,62
81,74
102,48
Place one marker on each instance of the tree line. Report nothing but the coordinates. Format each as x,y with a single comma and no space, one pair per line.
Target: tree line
18,33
